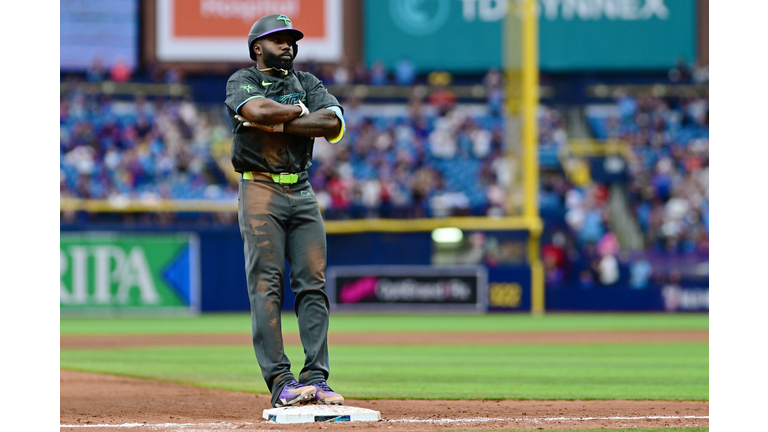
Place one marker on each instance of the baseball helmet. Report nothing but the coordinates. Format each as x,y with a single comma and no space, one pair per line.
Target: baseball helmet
272,24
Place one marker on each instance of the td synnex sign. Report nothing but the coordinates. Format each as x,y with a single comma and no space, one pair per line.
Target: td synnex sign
573,34
496,10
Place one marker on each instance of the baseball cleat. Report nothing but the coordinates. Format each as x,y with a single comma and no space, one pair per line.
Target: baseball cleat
294,393
327,396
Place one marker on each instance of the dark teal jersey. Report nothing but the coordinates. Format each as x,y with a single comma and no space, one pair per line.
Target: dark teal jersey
256,150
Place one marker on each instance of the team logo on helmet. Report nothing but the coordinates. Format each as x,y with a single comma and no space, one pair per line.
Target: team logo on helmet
285,19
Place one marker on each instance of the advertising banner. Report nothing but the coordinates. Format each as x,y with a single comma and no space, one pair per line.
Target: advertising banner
678,298
217,30
509,288
657,298
404,287
467,35
104,273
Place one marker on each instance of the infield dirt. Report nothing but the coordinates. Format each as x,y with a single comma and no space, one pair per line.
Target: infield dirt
94,399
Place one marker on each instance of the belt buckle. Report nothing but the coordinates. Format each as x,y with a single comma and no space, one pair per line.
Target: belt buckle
285,178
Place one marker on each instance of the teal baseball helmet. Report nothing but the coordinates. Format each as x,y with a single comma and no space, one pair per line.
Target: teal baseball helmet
269,24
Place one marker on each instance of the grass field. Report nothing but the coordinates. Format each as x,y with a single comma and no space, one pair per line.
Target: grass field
660,371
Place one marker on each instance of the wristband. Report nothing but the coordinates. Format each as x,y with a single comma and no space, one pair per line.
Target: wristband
304,109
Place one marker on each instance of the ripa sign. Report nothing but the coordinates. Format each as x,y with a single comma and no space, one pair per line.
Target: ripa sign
110,272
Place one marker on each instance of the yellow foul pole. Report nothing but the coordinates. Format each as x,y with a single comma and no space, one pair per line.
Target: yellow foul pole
529,106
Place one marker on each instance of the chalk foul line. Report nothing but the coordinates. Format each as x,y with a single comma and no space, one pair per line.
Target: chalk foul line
456,420
543,419
161,425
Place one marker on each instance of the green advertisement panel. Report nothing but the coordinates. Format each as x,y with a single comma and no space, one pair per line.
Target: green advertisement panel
120,272
574,35
433,34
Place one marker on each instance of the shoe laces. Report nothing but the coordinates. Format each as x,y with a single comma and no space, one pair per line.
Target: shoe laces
323,386
294,384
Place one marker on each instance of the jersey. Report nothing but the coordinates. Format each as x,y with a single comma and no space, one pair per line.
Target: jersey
256,150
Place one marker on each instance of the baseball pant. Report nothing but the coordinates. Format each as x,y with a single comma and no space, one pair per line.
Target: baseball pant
280,222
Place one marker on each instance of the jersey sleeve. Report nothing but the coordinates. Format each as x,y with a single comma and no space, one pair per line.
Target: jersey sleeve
317,95
242,87
319,98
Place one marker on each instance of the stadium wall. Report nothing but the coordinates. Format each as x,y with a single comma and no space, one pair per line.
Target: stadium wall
222,276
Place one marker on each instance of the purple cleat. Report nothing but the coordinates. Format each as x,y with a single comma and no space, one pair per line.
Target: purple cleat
294,393
327,396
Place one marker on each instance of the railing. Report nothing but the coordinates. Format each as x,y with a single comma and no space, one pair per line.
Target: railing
464,92
371,92
603,91
128,88
331,226
572,156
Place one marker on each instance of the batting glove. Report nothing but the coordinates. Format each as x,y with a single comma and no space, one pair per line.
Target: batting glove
267,128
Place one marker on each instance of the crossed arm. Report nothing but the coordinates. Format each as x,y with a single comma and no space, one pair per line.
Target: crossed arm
266,114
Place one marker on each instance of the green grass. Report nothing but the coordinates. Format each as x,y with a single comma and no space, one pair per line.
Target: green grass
605,371
662,371
240,323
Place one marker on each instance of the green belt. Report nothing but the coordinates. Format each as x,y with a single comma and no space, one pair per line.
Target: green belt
283,178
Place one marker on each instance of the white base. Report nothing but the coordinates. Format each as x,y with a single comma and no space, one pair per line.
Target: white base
320,413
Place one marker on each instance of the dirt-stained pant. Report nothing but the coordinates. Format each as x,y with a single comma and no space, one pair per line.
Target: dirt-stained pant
278,223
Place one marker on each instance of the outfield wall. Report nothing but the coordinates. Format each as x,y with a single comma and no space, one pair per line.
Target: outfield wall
218,279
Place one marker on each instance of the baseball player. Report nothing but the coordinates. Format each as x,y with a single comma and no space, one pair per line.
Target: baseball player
276,113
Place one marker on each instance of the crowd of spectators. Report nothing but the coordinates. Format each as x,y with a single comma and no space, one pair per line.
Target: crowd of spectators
583,250
422,159
667,186
669,174
432,156
139,149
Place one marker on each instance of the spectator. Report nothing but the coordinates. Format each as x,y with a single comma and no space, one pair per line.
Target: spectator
341,73
173,75
554,259
640,274
361,74
120,71
442,98
494,86
96,71
681,73
608,270
405,72
379,74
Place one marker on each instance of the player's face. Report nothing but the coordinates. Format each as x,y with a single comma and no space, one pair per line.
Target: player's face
277,50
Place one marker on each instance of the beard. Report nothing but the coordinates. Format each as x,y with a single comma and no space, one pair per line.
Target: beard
276,61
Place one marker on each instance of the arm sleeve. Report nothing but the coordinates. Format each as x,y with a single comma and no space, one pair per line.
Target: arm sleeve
240,89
